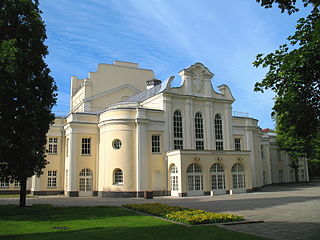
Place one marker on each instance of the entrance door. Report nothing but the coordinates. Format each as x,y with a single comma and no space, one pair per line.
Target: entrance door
194,180
85,183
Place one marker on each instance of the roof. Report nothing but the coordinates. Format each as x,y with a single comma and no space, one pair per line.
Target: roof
144,95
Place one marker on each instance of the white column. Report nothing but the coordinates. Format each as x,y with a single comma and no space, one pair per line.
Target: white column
168,142
227,127
141,155
72,162
208,129
35,183
188,128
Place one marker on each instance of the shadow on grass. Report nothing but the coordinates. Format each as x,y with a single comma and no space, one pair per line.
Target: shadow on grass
169,231
43,212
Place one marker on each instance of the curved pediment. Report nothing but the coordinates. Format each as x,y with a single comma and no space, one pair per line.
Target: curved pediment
197,70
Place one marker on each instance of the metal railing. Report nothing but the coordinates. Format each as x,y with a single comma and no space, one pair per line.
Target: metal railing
240,114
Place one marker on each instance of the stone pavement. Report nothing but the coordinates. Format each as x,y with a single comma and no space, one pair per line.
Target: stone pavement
288,211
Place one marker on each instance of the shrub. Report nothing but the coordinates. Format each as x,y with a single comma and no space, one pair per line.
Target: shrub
184,215
156,209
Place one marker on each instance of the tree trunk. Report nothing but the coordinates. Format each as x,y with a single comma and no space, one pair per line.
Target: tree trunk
23,192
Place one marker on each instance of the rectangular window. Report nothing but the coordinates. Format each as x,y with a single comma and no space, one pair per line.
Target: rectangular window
4,183
52,179
53,146
280,176
219,146
155,143
16,183
237,144
262,153
199,144
86,145
178,144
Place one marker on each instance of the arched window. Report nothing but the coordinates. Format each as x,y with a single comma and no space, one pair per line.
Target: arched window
238,176
174,178
85,180
177,130
198,126
195,179
217,177
118,176
218,132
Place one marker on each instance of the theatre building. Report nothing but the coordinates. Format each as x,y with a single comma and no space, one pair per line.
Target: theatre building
128,132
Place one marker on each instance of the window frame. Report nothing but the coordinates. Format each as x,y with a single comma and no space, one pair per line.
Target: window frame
86,146
116,176
4,183
156,143
53,145
177,130
237,144
116,144
218,132
198,129
52,179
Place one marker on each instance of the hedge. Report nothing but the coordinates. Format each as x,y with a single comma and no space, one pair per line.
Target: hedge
184,215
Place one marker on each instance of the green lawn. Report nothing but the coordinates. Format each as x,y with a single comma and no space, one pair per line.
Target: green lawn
14,196
93,223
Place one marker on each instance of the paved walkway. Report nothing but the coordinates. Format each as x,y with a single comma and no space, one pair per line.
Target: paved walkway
289,212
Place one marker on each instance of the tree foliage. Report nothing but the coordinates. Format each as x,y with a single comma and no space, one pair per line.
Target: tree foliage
294,75
288,5
27,92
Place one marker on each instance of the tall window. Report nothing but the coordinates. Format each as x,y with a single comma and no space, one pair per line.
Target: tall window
238,176
218,132
85,180
52,179
155,143
174,178
4,183
86,146
217,177
177,130
118,176
262,153
195,179
198,126
237,144
53,146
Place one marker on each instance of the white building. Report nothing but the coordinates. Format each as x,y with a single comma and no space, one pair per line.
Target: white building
128,133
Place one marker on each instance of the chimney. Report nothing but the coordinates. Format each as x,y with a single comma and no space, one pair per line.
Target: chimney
153,82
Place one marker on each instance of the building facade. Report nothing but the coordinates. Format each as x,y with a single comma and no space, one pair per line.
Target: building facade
128,132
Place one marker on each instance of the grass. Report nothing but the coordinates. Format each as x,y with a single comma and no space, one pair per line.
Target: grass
47,222
14,196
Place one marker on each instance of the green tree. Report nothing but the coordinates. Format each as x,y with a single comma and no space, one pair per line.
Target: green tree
27,92
294,75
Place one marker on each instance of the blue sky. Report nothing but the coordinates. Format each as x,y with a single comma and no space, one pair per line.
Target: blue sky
167,36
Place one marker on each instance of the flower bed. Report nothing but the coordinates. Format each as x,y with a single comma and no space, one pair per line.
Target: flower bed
184,215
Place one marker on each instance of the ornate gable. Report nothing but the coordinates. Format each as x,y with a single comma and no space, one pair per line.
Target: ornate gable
197,80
